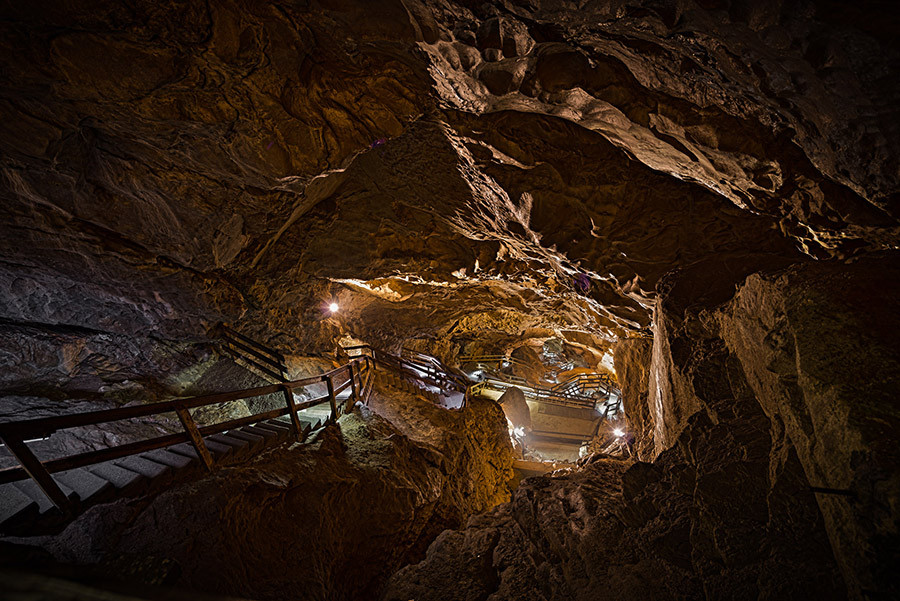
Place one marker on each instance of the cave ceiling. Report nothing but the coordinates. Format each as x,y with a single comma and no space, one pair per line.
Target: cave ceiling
441,169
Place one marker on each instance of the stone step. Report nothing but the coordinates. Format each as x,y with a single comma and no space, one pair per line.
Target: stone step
177,463
256,442
149,469
125,480
281,428
217,450
89,487
15,504
269,435
45,505
241,447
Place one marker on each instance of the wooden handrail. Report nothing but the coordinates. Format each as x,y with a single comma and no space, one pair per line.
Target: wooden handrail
14,433
44,426
474,358
225,329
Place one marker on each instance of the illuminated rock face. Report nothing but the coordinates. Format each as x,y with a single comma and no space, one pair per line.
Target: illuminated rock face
739,412
484,176
169,167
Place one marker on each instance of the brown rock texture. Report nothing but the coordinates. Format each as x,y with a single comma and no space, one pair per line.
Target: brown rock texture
632,361
441,169
787,389
614,531
721,175
361,501
820,351
515,408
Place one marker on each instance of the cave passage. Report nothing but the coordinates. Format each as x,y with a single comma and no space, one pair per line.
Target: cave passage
450,300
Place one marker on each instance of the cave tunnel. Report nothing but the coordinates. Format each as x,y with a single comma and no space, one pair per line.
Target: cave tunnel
450,300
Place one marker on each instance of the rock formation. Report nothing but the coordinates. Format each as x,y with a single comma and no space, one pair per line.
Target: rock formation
706,188
362,499
515,408
767,457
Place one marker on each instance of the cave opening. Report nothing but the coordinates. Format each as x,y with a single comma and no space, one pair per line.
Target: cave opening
439,299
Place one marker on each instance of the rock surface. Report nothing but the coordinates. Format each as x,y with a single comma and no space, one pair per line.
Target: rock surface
820,351
464,176
443,170
363,499
750,407
632,361
515,408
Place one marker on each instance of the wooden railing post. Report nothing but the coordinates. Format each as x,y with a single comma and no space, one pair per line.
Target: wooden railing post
36,470
191,428
292,411
331,398
354,387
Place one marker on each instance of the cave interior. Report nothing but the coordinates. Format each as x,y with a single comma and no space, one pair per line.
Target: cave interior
450,300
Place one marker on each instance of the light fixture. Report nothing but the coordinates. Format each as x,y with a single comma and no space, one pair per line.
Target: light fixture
619,432
333,308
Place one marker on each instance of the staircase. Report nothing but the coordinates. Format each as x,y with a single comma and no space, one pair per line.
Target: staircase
40,497
391,379
26,510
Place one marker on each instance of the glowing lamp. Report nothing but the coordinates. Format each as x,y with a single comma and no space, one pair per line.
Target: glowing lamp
333,308
619,432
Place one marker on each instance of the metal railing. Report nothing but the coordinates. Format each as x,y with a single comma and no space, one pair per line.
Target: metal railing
499,360
537,393
415,365
356,375
585,384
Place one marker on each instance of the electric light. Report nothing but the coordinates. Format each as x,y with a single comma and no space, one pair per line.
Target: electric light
333,307
619,432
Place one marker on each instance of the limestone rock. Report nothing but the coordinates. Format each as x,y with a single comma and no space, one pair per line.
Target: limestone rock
515,408
632,361
819,347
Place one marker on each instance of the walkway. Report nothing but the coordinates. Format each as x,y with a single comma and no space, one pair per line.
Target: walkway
39,497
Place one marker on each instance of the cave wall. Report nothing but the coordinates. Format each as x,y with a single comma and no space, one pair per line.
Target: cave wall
442,170
632,363
788,386
812,351
453,164
819,349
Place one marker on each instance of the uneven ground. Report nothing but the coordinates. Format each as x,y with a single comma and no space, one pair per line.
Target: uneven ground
363,498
